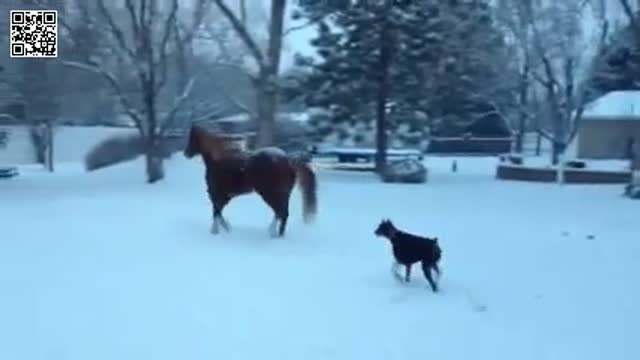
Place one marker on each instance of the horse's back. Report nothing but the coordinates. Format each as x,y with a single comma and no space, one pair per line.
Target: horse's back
272,152
271,165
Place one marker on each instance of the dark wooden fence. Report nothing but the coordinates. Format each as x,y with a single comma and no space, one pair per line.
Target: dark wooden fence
469,145
571,176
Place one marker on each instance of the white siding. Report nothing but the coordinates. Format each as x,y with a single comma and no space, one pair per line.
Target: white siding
71,143
19,149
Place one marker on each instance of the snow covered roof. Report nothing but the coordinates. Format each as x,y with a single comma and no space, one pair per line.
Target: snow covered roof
614,106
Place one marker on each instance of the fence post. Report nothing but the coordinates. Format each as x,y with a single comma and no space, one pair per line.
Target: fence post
49,141
635,164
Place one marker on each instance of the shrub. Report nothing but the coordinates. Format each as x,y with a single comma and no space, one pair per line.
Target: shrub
575,164
114,150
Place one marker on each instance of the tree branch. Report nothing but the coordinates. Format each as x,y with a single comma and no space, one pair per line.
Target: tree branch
186,92
115,30
633,19
545,134
305,25
242,32
115,84
168,30
61,19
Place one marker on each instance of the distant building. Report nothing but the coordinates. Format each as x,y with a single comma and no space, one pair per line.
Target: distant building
609,126
291,131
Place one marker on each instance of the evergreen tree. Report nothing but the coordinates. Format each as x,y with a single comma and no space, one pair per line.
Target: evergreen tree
617,67
448,61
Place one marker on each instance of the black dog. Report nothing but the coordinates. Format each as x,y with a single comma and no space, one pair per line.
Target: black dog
409,249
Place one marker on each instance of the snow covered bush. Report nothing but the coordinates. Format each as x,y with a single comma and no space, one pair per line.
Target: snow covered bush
405,171
514,159
575,164
114,150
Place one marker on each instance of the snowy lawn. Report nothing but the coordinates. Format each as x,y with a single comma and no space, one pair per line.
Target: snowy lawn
102,266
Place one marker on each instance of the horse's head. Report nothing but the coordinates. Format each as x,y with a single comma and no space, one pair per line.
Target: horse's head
206,144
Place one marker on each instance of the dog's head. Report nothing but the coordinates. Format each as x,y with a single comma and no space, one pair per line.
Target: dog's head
385,228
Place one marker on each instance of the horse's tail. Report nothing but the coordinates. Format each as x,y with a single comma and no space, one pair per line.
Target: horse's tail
308,188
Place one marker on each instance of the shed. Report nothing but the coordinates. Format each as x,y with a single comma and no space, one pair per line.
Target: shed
609,126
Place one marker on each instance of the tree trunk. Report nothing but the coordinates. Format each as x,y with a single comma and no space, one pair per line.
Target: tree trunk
635,164
267,88
383,94
50,142
154,166
154,159
561,168
523,105
267,107
555,152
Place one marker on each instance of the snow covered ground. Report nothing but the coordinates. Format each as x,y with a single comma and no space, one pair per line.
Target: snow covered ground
102,266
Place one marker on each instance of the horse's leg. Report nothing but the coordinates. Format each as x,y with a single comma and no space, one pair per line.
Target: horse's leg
284,212
279,203
218,205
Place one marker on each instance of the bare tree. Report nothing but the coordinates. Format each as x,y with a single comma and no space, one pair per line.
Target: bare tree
517,27
632,13
145,38
560,47
267,61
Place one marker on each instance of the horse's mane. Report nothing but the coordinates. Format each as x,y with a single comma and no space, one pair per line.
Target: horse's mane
214,147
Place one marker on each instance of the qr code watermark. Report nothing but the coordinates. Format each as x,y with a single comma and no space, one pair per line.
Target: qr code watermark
34,33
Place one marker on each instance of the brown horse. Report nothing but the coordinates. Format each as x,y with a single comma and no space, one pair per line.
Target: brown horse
268,171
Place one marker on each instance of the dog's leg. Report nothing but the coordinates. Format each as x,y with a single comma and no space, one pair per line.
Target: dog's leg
225,224
407,273
394,270
273,228
214,226
436,268
426,268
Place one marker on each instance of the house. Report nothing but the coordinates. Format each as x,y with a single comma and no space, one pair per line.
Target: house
16,146
609,126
